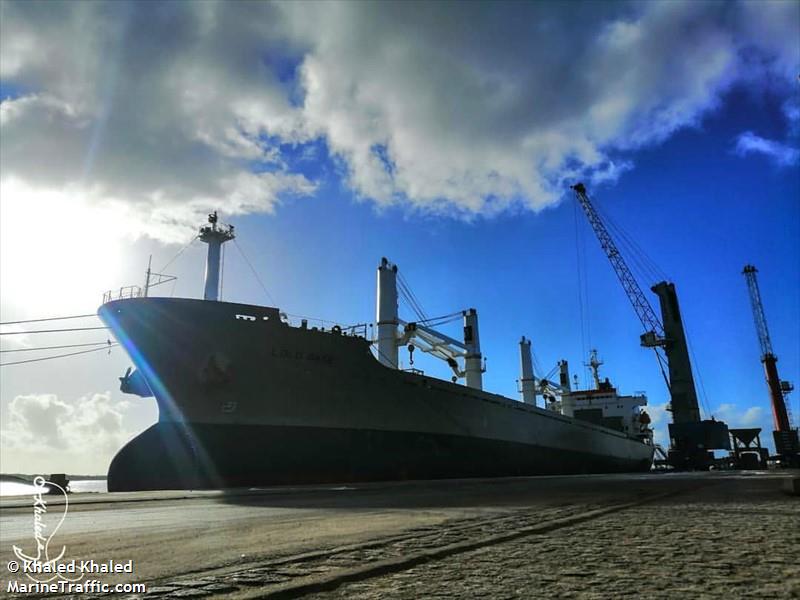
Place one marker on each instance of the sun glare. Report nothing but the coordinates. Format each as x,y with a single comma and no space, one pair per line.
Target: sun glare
58,253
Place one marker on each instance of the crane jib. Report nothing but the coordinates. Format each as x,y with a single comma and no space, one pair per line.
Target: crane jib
641,306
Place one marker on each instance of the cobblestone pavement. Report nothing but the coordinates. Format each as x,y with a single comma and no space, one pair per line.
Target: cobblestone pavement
660,536
255,579
709,547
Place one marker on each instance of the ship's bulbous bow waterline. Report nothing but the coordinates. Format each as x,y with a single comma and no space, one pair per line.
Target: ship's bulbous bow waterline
245,399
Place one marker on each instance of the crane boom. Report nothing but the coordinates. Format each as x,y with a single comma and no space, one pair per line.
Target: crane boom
639,301
749,273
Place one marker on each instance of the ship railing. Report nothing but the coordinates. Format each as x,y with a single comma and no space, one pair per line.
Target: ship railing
358,330
130,291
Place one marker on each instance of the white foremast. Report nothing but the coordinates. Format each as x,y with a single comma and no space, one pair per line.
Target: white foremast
214,235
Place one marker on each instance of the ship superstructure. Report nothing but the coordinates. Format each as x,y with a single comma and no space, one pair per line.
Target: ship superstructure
248,398
603,405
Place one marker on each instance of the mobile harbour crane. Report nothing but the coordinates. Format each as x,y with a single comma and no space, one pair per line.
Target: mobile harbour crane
787,447
691,438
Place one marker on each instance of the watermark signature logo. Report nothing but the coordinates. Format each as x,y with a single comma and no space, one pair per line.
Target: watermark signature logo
40,566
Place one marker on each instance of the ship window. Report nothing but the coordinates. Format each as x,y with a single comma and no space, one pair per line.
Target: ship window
246,317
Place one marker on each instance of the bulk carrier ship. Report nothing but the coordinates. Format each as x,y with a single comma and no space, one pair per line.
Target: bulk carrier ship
247,398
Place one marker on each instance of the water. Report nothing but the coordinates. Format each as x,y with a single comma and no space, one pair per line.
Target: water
16,488
97,486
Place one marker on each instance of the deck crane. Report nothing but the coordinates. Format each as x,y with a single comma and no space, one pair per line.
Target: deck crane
691,438
787,446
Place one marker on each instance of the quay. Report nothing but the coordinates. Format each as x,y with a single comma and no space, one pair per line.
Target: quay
660,535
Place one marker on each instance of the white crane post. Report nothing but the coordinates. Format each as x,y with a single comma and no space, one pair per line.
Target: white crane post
526,372
567,405
214,235
473,366
386,314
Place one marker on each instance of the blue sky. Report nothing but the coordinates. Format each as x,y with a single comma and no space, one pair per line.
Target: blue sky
425,138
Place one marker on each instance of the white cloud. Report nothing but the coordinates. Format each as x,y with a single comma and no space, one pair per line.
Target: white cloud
752,416
149,106
783,155
42,429
14,338
456,108
659,417
791,109
737,416
483,108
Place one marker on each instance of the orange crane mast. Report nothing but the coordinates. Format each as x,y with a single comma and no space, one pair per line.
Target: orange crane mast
786,438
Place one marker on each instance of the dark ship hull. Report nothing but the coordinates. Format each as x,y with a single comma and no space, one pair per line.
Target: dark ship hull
246,400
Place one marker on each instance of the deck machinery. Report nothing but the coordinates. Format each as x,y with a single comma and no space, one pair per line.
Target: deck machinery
691,438
787,446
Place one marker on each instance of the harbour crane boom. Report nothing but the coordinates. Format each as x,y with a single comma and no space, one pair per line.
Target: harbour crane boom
639,301
760,319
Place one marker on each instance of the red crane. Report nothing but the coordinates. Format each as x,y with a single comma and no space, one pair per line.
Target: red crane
786,439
